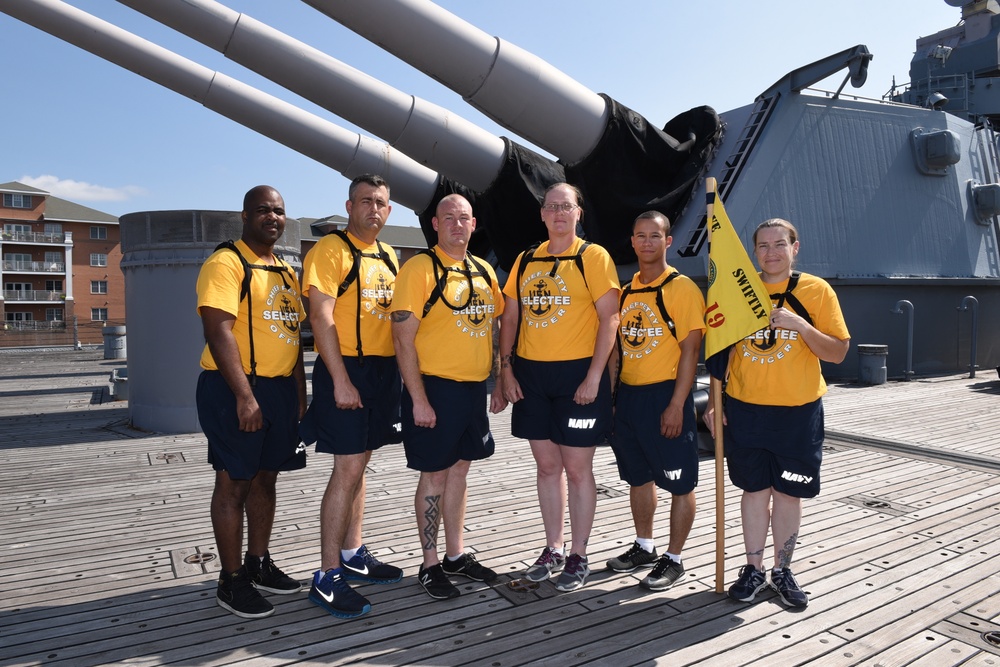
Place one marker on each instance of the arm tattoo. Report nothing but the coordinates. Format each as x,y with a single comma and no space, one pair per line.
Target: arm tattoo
432,519
506,360
785,555
400,315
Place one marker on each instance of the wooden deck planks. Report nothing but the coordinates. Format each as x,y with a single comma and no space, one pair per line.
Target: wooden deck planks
92,571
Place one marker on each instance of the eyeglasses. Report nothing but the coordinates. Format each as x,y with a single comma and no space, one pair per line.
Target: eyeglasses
565,207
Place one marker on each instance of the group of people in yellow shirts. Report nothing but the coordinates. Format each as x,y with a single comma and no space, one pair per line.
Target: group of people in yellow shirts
582,360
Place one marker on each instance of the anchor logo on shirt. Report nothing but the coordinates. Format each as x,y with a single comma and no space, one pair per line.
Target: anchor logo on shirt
542,306
286,308
476,315
638,336
385,300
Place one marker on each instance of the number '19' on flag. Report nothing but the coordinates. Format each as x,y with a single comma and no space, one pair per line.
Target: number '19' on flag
737,304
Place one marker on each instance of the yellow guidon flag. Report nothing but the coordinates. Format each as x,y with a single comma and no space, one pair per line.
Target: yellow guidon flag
737,304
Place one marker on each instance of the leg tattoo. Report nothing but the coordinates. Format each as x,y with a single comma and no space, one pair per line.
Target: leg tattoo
759,552
785,555
432,519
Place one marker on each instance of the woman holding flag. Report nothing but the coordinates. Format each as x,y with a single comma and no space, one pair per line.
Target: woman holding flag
774,411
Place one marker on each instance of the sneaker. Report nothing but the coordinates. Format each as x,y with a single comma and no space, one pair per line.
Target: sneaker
784,584
750,583
664,574
237,594
574,574
632,559
331,592
468,566
266,576
548,563
365,567
436,583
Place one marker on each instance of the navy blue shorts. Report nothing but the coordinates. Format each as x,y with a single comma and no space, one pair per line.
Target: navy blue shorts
337,431
275,447
643,454
462,430
775,446
547,411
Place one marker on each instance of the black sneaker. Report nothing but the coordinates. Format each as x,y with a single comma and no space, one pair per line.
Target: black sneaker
633,559
237,594
750,583
468,566
784,584
331,592
266,576
436,583
665,573
365,567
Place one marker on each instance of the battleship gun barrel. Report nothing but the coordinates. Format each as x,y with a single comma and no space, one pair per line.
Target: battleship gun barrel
413,185
517,89
426,132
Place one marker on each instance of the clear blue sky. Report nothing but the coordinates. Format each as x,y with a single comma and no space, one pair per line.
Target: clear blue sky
94,133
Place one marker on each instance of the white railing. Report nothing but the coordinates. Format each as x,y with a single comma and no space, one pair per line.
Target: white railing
33,295
46,267
33,325
33,237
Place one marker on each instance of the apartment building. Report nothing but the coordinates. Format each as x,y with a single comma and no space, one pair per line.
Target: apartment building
60,270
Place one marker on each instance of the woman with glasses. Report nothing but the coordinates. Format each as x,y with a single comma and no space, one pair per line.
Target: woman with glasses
774,410
558,331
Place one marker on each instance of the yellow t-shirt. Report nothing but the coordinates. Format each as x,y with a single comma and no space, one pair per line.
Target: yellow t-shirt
650,353
277,316
787,373
558,319
452,342
326,266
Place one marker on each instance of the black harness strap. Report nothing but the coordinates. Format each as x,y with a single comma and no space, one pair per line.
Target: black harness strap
441,279
663,314
352,276
527,258
281,268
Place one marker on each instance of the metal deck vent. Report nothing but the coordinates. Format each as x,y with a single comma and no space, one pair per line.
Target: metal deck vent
971,630
608,492
880,505
160,458
521,591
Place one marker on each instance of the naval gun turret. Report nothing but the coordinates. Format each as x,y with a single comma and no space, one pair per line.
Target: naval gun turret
894,200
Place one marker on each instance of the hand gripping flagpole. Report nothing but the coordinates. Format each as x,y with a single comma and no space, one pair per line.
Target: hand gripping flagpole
715,389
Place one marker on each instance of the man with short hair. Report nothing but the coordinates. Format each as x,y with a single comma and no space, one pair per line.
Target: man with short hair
349,277
654,436
443,312
250,397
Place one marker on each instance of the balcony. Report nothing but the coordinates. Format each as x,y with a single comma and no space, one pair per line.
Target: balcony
33,267
33,295
33,237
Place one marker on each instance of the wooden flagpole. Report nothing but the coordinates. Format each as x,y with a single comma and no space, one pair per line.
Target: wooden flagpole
716,394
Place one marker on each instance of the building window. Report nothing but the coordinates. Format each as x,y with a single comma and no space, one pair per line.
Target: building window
98,286
17,201
98,259
99,314
53,314
53,286
16,229
99,233
18,317
53,228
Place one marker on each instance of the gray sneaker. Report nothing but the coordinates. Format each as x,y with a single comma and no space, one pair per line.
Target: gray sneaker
548,563
633,559
574,574
664,574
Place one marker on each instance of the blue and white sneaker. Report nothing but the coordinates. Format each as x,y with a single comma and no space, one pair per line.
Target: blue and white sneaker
331,592
365,567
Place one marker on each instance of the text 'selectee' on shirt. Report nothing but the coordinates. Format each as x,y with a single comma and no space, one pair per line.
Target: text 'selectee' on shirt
326,266
451,343
558,319
278,311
